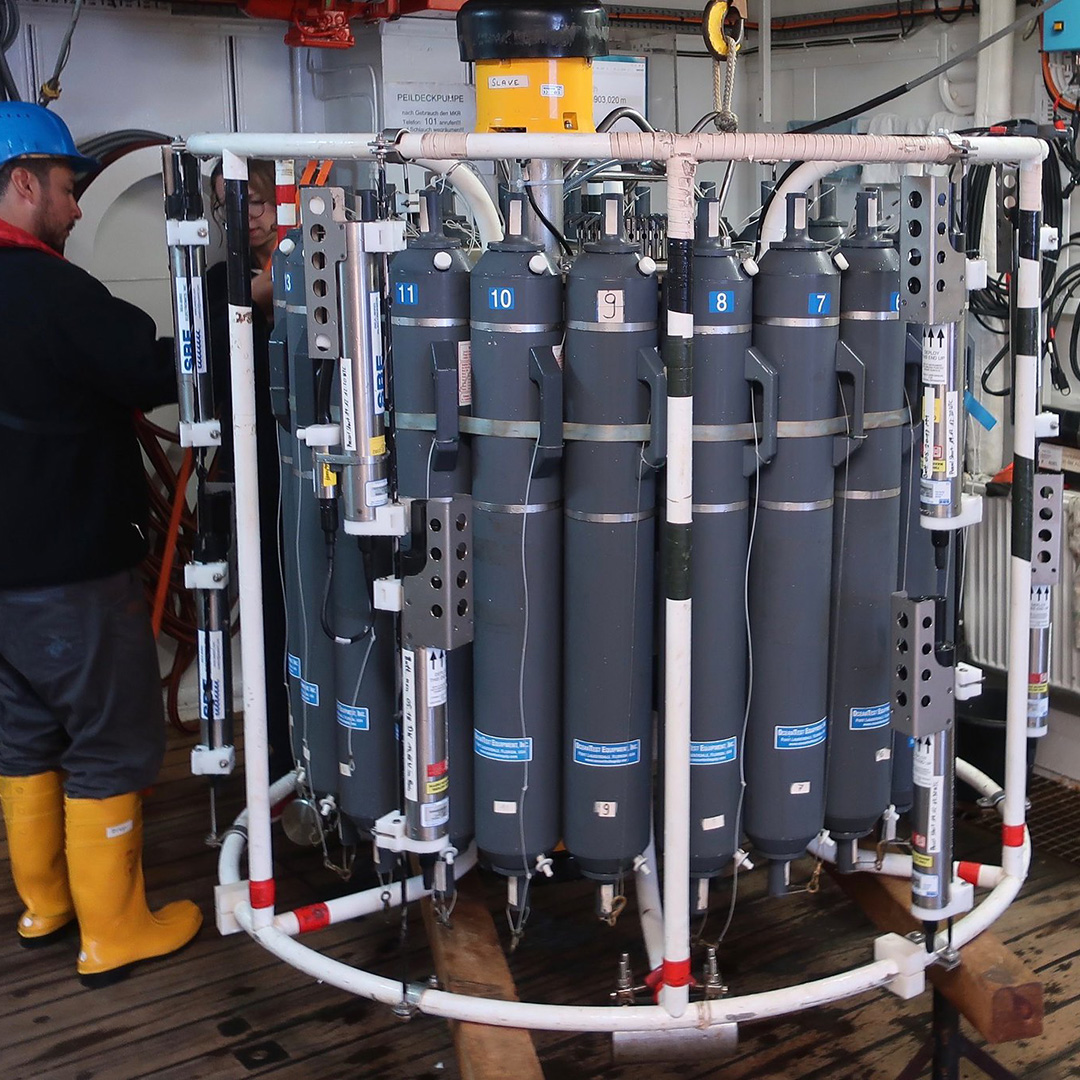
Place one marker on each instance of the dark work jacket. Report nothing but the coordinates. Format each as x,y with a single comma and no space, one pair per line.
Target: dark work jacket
75,362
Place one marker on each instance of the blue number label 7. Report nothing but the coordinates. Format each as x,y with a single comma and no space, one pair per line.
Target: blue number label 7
820,303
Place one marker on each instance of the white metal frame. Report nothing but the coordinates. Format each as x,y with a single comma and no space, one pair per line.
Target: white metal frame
681,153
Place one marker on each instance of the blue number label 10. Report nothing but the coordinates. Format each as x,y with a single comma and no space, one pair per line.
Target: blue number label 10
820,303
501,299
721,303
407,293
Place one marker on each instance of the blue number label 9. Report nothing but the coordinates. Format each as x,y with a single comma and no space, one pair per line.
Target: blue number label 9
407,293
820,303
721,303
501,299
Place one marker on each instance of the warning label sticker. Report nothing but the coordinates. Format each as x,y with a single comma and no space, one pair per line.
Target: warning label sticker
1040,607
433,815
935,356
924,885
436,676
309,692
294,666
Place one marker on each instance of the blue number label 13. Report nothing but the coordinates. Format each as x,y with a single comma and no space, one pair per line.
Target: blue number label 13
820,303
407,293
501,299
721,303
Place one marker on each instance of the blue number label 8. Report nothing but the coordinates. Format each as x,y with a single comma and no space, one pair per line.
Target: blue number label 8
721,303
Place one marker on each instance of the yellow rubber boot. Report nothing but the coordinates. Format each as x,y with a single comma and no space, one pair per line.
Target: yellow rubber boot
104,855
34,817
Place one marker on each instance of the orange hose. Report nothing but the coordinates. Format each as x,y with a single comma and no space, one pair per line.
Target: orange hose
169,554
1059,99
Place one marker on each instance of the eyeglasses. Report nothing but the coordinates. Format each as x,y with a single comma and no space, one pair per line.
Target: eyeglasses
257,207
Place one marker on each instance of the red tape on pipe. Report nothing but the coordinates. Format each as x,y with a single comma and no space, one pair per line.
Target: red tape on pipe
1012,835
261,893
676,972
313,917
969,871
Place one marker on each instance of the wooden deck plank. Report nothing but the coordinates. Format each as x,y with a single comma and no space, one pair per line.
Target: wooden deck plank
469,959
993,988
226,1010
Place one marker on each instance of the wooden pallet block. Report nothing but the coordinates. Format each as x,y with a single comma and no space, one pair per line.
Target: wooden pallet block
469,960
994,990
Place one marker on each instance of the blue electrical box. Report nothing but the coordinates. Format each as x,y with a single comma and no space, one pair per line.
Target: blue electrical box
1061,27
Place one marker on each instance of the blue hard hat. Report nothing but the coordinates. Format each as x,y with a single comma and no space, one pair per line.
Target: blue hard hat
28,130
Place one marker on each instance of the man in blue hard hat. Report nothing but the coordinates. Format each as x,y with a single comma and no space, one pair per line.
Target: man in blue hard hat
81,723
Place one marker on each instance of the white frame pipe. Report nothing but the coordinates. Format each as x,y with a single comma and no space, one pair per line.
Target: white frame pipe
249,569
636,146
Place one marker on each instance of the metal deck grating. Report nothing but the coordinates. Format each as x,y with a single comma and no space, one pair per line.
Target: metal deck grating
1053,819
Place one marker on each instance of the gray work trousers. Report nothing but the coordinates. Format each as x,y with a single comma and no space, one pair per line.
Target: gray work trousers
80,689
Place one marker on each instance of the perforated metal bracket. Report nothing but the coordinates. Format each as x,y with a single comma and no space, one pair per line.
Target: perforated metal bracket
933,274
923,687
439,596
322,220
1047,528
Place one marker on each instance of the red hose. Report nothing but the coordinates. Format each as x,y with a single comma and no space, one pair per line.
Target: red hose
169,556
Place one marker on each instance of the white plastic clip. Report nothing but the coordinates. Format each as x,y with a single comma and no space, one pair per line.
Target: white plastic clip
641,865
1047,425
1049,238
390,520
187,233
543,866
204,434
389,594
910,957
213,761
226,897
889,822
320,435
384,236
969,681
213,575
976,274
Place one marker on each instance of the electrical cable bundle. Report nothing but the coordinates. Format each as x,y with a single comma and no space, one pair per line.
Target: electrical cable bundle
9,31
